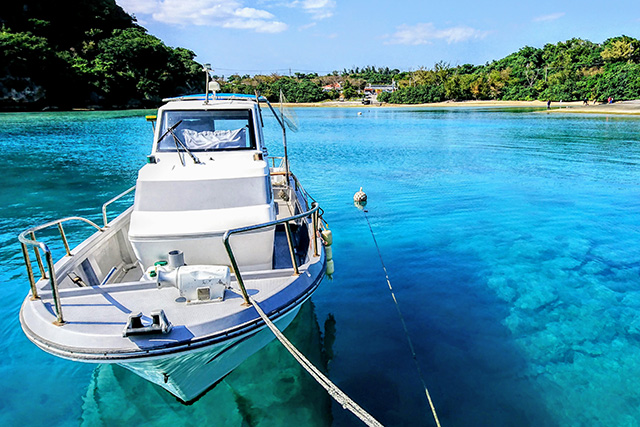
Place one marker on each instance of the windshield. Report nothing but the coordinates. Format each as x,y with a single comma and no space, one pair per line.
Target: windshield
208,130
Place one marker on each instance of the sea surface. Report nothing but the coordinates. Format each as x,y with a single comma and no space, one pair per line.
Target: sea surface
511,239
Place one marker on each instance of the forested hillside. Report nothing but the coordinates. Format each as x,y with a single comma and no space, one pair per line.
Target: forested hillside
74,53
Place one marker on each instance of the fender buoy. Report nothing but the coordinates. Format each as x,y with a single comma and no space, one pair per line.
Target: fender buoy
330,267
328,253
327,236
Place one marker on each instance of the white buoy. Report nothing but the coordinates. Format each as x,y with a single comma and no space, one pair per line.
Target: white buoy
360,199
359,113
360,196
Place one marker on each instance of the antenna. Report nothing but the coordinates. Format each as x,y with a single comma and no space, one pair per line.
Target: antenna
206,68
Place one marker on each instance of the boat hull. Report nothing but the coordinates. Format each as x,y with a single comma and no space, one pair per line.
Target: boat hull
188,375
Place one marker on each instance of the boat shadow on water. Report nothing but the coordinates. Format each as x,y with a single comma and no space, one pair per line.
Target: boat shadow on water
269,388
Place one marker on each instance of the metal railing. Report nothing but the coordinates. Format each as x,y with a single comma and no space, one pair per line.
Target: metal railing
273,162
28,238
307,197
49,273
37,246
119,196
313,213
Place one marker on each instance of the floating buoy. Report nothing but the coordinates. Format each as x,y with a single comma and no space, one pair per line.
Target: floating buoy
360,199
359,113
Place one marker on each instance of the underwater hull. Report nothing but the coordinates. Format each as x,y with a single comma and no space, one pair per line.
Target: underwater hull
188,375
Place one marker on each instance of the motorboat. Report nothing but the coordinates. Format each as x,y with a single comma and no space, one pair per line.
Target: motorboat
167,288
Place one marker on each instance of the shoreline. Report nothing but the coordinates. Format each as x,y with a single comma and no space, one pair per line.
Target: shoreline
620,107
629,108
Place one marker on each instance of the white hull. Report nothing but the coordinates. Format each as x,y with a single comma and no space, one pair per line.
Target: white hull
187,376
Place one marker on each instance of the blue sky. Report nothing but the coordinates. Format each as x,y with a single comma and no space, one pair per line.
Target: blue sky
266,36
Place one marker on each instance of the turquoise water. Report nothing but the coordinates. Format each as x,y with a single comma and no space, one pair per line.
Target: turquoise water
510,237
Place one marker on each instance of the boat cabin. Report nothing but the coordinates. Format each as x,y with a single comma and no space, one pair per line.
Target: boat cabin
207,173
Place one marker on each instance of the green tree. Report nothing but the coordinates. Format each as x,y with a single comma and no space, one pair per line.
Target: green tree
621,49
348,91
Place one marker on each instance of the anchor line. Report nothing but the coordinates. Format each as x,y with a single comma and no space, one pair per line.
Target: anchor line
333,390
404,324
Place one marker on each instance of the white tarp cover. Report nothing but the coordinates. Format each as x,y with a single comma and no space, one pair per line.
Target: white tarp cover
217,139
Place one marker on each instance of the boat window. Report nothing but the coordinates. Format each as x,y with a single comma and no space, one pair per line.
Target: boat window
208,130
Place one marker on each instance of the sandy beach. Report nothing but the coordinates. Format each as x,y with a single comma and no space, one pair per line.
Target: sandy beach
622,107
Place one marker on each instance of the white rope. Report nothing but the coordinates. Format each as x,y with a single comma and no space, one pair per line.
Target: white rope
322,379
404,325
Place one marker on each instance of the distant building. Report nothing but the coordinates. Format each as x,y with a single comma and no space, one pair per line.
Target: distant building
377,89
333,86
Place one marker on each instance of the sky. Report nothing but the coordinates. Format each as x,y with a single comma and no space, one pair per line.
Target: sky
275,36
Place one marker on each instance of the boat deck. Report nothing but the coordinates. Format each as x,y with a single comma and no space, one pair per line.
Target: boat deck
96,316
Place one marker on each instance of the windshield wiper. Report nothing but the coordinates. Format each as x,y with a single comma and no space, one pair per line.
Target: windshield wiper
177,141
170,130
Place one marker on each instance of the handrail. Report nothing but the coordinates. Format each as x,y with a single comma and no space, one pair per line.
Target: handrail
273,161
313,211
297,183
308,196
24,241
104,207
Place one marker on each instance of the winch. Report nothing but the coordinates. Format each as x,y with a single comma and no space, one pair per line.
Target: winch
196,283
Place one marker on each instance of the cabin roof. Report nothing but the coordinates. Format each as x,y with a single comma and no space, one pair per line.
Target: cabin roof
216,97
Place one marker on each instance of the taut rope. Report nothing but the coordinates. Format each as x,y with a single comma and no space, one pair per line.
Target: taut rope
404,324
322,379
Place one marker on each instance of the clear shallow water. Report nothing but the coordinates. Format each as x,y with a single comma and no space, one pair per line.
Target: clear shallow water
511,240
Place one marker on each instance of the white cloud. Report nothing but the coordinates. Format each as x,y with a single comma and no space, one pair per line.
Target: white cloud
426,33
550,17
215,13
138,6
319,9
249,12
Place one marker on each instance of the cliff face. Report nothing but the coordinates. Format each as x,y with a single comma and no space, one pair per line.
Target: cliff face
78,53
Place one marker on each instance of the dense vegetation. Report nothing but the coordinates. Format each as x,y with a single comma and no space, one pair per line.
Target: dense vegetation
308,87
573,70
72,53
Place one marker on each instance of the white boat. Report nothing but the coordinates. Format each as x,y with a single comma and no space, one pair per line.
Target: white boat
165,289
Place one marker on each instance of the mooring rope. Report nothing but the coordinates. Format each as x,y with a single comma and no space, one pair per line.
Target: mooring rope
404,324
332,389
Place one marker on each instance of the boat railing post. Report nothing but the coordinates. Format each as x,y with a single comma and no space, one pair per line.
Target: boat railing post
236,269
118,197
32,280
315,232
286,222
54,289
294,262
36,250
64,239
